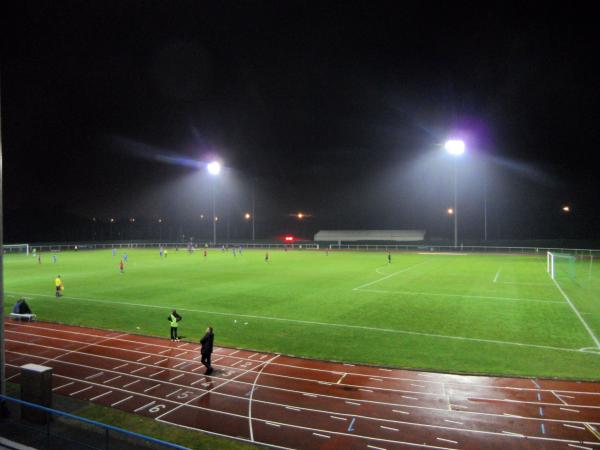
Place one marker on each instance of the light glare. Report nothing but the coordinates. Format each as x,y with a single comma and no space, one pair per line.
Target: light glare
455,147
214,168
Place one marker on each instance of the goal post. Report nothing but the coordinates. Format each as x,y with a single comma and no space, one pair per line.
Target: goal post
560,264
16,248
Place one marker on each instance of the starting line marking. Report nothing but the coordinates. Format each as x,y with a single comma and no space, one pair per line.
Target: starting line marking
121,401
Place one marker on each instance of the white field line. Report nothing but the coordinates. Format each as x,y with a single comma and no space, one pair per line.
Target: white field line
390,275
307,379
466,296
356,327
583,322
497,275
348,402
252,389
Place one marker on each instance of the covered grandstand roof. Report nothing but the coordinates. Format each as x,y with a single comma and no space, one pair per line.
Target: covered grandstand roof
370,235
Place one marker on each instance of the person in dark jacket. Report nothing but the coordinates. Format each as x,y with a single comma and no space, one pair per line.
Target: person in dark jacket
206,349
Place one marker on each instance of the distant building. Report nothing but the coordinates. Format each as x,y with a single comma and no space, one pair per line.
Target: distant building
370,236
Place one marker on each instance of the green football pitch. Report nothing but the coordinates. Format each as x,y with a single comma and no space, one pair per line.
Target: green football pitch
494,314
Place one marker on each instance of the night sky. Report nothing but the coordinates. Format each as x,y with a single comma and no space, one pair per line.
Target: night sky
335,109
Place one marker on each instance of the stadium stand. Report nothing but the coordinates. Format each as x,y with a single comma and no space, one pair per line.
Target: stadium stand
370,236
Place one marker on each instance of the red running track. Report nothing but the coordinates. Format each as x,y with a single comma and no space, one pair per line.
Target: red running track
288,402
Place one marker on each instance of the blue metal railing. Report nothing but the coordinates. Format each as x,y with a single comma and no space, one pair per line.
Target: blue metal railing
107,429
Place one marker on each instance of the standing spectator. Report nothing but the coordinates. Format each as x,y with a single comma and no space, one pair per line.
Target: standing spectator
121,266
174,318
206,349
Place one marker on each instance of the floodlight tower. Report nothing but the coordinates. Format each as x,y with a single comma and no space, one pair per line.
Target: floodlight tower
214,168
456,148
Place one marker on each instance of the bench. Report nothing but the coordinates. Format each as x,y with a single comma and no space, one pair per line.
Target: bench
27,317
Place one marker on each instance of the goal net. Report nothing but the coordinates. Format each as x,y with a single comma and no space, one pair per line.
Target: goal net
560,265
16,248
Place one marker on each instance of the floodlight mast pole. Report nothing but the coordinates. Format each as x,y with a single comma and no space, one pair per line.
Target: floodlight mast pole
455,205
2,351
214,213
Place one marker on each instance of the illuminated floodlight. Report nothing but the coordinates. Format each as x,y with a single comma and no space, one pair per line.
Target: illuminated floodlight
300,216
216,219
566,208
159,220
247,216
455,147
450,211
214,168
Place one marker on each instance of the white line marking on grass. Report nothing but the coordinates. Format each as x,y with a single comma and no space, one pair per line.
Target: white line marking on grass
326,324
584,323
389,276
465,296
121,401
497,275
81,390
99,396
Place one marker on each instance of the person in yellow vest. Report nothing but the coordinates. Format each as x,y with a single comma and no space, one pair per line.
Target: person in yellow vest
174,318
59,285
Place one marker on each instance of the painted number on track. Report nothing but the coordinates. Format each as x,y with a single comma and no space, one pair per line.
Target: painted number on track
184,394
157,408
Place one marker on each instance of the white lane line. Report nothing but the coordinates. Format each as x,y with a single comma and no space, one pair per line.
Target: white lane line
375,379
176,377
99,396
579,316
417,385
375,448
81,390
564,395
263,356
161,361
132,383
574,426
234,353
341,378
180,355
453,421
157,373
121,401
560,399
385,370
164,351
497,275
509,433
572,410
119,367
217,359
174,392
400,412
346,434
329,324
201,380
138,369
145,406
143,358
180,364
535,383
580,446
264,365
322,435
362,286
410,398
350,403
447,440
388,428
349,365
338,418
307,394
197,368
252,355
94,376
63,385
236,363
293,408
151,388
365,390
112,379
273,424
